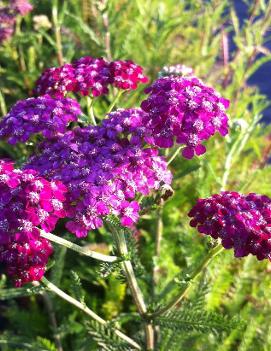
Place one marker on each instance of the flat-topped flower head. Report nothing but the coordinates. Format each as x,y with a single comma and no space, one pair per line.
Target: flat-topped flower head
27,202
242,222
185,111
8,15
56,81
22,7
38,115
26,260
127,122
127,74
92,75
104,171
89,75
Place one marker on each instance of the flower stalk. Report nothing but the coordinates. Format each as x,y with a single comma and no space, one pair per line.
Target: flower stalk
90,110
57,29
79,249
133,284
175,154
115,101
53,288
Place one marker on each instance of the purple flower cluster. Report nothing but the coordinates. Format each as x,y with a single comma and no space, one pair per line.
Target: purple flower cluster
92,75
89,75
242,222
38,115
27,201
22,7
8,15
127,122
185,110
103,172
126,74
26,259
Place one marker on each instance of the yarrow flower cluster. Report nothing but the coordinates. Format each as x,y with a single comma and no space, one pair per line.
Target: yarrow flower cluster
184,110
103,173
126,74
8,15
242,222
176,70
27,201
89,75
38,115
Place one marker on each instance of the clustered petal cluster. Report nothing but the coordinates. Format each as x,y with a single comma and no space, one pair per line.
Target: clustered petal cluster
184,110
27,201
242,222
89,75
126,74
38,115
126,121
8,15
103,173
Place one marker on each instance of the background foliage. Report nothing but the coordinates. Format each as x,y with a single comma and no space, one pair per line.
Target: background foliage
153,33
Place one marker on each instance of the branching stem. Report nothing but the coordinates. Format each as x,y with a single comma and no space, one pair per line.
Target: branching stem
133,284
53,288
175,301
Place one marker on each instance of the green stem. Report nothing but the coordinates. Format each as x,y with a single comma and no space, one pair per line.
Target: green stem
81,250
133,284
90,110
3,105
158,239
114,102
175,154
57,30
53,288
175,301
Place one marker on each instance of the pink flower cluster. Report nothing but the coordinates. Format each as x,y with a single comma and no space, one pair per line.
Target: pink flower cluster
8,15
103,174
242,222
89,75
27,201
38,115
184,110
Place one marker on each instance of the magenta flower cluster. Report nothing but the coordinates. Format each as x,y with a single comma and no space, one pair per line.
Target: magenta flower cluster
38,115
242,222
103,172
184,110
8,15
27,202
89,75
84,174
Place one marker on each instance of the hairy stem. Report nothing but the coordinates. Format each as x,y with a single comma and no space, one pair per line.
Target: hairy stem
81,250
53,288
175,301
133,284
